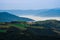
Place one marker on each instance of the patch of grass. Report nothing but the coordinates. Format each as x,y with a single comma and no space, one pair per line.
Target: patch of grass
39,27
3,30
18,25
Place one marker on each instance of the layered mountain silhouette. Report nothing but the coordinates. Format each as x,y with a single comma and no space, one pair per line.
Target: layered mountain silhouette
41,12
7,17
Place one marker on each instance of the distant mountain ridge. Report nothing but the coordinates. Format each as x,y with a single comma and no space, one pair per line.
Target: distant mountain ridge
41,12
7,17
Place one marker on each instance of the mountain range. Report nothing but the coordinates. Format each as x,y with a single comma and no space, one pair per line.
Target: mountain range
41,12
7,17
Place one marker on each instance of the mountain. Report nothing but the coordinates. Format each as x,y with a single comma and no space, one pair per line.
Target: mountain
51,13
7,17
41,12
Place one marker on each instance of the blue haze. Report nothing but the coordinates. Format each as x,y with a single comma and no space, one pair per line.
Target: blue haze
45,8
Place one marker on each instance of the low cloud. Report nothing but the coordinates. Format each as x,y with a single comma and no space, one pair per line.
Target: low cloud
37,18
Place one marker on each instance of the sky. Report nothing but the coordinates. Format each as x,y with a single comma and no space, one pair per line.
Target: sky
29,4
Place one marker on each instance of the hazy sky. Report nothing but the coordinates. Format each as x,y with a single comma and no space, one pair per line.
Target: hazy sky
29,4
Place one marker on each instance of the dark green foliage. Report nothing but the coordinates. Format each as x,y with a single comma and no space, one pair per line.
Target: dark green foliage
14,33
48,23
32,32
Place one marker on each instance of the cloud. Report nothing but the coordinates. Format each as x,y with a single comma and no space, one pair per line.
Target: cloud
37,18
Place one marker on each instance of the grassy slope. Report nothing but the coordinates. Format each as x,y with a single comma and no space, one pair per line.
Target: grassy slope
3,30
20,26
